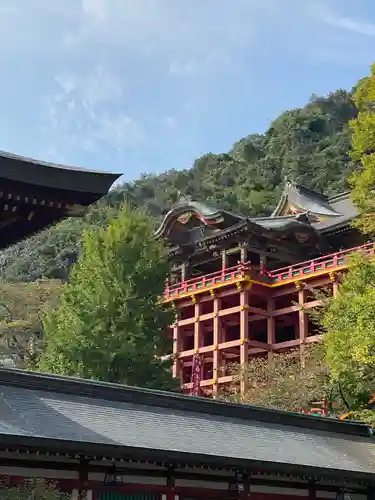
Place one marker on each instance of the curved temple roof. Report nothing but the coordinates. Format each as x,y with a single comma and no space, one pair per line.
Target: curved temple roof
299,208
51,175
214,216
208,215
36,194
306,200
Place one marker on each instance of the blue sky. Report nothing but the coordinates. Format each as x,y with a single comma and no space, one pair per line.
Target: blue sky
139,86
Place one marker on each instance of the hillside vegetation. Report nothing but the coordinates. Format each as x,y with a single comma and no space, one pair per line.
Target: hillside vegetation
309,145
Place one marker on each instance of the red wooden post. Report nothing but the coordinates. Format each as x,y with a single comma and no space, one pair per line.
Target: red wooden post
244,338
171,483
216,342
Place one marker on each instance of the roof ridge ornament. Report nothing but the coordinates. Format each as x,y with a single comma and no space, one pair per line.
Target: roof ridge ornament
183,199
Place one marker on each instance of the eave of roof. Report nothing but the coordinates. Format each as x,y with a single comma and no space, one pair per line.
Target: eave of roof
53,176
177,458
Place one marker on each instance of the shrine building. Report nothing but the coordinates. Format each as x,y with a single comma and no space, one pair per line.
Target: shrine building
242,285
101,441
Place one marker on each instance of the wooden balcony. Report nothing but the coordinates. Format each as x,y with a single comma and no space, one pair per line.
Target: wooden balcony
275,278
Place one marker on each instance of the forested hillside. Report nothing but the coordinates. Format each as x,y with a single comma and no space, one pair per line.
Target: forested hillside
308,145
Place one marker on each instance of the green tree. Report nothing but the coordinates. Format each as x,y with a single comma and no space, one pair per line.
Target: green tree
349,324
363,153
110,324
33,489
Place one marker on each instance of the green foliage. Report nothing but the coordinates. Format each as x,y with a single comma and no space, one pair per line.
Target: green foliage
110,324
366,416
21,308
308,145
363,152
349,323
283,382
32,489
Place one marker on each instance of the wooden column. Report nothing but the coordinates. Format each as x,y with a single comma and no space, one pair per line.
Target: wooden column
263,263
244,337
198,333
184,271
335,284
271,331
83,492
216,342
312,490
222,359
224,259
171,483
303,323
197,326
176,350
243,248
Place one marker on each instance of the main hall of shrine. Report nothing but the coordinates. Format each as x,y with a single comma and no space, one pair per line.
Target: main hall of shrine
101,441
243,285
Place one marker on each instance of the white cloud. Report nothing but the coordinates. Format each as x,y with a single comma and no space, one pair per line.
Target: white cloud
78,114
116,73
352,25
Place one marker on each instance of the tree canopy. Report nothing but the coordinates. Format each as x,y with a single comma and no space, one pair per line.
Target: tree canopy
348,320
363,153
110,324
348,324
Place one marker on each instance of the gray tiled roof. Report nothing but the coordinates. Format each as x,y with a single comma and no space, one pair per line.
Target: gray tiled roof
342,204
55,415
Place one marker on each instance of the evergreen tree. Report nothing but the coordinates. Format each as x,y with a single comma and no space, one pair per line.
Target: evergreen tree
110,324
363,152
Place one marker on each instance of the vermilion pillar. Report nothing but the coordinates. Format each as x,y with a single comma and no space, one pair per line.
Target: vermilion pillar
176,350
271,332
302,317
244,338
197,326
216,341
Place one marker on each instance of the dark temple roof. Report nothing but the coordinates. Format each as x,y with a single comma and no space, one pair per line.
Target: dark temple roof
305,199
36,194
82,416
301,215
207,214
329,212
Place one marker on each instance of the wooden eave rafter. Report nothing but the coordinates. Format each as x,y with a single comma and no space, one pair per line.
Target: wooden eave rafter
160,469
157,463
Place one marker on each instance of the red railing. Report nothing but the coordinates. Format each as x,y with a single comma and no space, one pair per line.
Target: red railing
322,264
206,281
